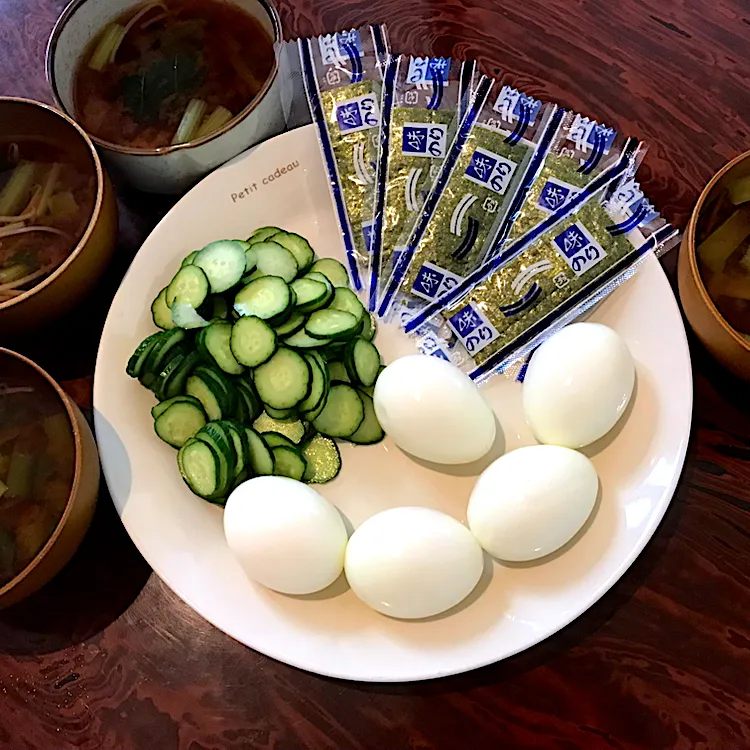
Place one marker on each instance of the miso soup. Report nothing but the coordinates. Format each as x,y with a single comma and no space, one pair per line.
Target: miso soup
171,71
46,202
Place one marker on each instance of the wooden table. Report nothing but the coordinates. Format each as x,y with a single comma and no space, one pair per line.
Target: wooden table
107,658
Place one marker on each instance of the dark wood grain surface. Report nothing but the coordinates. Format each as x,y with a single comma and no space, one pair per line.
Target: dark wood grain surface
107,658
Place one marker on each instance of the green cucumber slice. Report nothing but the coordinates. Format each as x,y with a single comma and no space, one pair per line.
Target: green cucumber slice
344,412
362,362
179,422
253,341
323,460
246,392
338,373
332,270
301,340
332,325
184,315
188,259
298,246
284,380
275,439
261,458
162,406
200,467
262,234
370,431
265,298
160,312
311,294
274,260
189,285
140,355
288,462
295,322
347,300
216,338
223,262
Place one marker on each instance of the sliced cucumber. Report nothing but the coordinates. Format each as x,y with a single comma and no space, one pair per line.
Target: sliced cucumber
251,262
344,412
236,432
189,285
362,362
140,355
288,462
334,352
323,460
301,340
247,394
184,315
298,246
337,373
156,382
223,388
332,325
223,262
274,260
318,385
163,350
295,431
281,415
332,270
216,339
253,341
172,383
220,441
369,328
294,323
284,380
265,298
200,467
370,431
311,294
179,422
160,312
162,406
262,234
275,439
347,300
261,458
188,259
202,386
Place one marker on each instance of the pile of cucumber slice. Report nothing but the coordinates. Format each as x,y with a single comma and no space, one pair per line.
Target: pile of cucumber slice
265,357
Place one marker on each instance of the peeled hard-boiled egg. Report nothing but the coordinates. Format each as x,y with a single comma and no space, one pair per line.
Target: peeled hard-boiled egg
412,562
285,535
433,410
578,385
531,501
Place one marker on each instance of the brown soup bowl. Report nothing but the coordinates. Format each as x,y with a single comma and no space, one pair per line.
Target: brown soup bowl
70,282
54,518
728,346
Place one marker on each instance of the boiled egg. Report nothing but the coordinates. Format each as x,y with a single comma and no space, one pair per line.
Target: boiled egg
434,411
412,562
285,535
532,501
578,385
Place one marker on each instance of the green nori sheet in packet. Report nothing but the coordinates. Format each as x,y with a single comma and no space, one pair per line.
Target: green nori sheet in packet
342,74
420,106
571,267
473,194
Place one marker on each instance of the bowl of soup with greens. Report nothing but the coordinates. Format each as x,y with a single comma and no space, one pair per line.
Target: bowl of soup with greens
58,215
169,89
49,477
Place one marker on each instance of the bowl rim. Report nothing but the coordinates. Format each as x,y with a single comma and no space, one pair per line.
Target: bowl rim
49,66
95,212
77,470
692,254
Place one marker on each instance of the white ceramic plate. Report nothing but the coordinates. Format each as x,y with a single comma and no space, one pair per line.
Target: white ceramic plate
283,182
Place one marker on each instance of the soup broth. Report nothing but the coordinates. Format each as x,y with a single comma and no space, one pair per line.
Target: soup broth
46,201
37,465
170,72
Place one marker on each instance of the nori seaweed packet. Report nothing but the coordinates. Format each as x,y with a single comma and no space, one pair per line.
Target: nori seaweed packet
471,199
342,74
567,270
422,100
580,151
